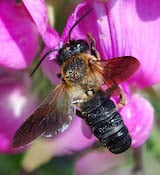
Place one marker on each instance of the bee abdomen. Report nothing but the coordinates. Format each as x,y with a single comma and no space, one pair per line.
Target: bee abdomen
106,123
118,141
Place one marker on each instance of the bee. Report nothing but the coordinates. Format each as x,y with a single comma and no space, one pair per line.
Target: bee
80,92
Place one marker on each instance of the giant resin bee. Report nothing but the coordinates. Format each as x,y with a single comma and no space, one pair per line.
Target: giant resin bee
80,92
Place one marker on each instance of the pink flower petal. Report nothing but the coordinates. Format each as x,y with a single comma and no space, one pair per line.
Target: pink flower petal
15,106
138,116
49,66
111,23
18,36
50,70
37,10
71,140
86,130
137,40
50,37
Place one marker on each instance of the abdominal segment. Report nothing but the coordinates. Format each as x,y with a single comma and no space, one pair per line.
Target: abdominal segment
106,123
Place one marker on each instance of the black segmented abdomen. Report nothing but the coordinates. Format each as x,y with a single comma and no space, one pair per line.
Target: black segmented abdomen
106,123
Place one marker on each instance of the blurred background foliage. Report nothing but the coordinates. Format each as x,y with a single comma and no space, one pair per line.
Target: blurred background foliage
64,165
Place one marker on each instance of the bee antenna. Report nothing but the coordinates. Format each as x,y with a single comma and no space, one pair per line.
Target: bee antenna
82,17
41,60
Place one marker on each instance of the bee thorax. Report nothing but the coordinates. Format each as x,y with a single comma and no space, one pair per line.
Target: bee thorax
75,70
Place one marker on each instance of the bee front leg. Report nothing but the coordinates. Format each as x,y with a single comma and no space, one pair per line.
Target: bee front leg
93,49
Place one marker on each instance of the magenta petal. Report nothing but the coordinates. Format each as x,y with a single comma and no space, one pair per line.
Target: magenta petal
38,12
18,36
137,40
78,32
111,23
50,68
138,116
15,106
50,37
86,130
71,140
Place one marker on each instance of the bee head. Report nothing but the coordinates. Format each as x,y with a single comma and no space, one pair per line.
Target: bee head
71,49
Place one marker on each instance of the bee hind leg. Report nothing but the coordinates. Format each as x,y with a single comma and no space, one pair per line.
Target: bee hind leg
122,99
114,89
93,49
79,114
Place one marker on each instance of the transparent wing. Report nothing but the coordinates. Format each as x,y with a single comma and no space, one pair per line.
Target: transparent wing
51,117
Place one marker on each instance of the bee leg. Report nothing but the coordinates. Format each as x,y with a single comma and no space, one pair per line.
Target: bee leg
122,99
111,90
79,114
92,46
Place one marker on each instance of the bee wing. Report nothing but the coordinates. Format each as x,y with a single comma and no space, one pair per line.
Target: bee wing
115,71
120,69
51,117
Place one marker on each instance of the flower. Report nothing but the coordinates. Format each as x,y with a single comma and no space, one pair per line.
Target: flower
111,24
38,12
20,31
16,104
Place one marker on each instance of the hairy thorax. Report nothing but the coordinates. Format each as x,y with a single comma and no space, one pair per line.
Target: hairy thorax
79,76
